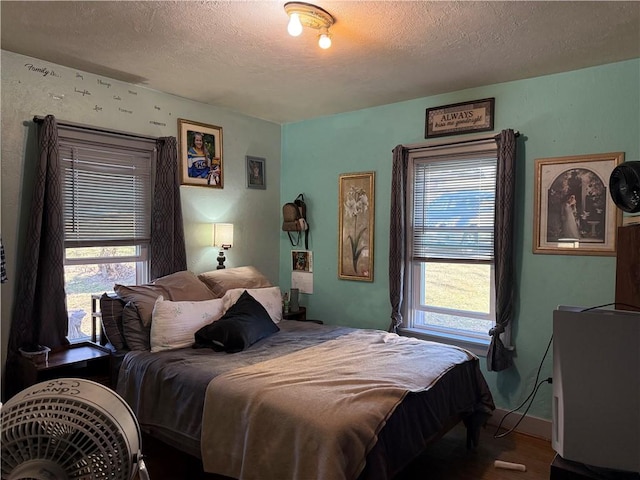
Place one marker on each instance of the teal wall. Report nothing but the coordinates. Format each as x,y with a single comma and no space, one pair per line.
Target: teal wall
34,87
595,110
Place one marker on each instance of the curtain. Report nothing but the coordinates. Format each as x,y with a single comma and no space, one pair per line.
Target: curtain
3,264
40,312
498,357
167,252
397,234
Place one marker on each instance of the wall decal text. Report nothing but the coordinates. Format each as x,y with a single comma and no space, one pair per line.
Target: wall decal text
44,71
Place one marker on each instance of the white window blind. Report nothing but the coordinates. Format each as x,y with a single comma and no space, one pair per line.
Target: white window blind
106,188
454,206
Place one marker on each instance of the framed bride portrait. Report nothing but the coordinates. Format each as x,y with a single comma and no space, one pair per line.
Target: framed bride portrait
574,213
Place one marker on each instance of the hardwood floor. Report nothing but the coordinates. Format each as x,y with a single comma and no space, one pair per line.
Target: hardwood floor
447,459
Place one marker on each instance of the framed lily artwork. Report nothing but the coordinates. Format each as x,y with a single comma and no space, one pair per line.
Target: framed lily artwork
356,216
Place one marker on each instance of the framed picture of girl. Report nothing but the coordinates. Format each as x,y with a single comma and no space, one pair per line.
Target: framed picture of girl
200,154
574,212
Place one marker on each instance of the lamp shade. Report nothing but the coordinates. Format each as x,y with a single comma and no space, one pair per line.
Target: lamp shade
222,235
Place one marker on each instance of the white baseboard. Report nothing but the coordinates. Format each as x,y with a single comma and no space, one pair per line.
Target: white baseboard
534,426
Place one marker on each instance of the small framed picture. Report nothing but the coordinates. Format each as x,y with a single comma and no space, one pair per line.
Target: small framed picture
200,153
574,213
302,260
256,173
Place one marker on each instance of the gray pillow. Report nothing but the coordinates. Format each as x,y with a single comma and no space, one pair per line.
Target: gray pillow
111,316
179,286
219,281
137,336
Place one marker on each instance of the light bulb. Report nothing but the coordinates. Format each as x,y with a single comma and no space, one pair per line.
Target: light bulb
324,41
295,26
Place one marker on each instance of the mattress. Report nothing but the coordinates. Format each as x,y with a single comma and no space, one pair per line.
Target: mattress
166,391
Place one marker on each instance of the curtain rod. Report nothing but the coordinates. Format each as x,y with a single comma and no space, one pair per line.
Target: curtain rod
39,119
446,143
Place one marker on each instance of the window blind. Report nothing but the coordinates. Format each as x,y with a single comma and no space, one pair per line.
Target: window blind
106,189
454,206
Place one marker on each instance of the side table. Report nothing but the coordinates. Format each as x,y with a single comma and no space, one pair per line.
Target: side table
81,360
300,315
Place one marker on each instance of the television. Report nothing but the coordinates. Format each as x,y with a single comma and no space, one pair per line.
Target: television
596,387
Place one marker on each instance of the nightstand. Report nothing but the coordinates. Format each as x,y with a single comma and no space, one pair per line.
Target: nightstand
82,360
300,315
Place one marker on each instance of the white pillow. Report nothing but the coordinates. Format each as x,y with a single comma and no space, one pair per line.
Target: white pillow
174,324
269,297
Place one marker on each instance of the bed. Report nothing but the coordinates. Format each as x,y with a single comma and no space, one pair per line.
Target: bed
304,400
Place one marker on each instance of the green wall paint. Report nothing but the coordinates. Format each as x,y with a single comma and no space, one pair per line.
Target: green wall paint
594,110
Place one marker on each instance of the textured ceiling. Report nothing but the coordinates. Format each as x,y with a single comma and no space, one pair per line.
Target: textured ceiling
238,55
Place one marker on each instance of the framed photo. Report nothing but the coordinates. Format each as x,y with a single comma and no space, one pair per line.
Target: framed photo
457,118
574,213
200,154
301,260
356,213
256,173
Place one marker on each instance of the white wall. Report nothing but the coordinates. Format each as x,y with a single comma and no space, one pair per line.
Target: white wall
33,87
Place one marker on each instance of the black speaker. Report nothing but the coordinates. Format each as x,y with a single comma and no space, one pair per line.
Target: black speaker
624,186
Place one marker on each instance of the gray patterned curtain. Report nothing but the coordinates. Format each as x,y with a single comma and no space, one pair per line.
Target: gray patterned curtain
40,312
168,253
498,357
397,234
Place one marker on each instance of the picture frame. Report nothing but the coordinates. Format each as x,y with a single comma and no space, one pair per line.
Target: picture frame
302,261
574,213
457,118
200,154
356,205
256,172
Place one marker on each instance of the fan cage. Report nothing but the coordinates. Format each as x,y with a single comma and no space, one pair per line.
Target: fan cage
87,431
624,185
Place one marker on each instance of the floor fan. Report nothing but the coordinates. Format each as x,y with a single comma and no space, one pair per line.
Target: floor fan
68,429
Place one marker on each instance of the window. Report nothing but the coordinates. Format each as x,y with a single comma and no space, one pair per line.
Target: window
450,243
107,216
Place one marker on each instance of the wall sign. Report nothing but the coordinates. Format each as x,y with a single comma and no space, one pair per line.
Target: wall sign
457,118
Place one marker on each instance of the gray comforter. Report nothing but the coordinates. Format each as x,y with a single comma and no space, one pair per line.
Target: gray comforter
316,413
167,390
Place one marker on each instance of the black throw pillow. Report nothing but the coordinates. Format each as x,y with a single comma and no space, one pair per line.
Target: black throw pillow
245,323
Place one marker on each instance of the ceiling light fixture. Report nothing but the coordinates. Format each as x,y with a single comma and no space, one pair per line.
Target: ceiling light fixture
306,15
324,39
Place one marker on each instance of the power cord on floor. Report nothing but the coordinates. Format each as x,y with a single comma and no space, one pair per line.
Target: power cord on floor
549,380
531,396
